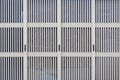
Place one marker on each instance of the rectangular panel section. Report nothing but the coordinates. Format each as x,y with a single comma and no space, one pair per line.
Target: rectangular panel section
76,11
42,10
107,39
11,11
42,68
107,68
107,11
76,39
11,39
76,68
42,39
11,68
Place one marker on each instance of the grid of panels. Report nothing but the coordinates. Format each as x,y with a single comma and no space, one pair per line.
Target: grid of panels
107,39
72,11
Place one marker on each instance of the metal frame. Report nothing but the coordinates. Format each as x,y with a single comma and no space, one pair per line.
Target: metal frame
25,37
93,39
59,37
42,24
77,24
59,54
107,24
11,25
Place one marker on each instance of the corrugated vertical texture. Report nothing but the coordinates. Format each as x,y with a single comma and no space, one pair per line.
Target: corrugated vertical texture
107,11
107,68
42,39
42,10
11,39
75,39
76,68
11,11
76,11
42,68
11,68
107,39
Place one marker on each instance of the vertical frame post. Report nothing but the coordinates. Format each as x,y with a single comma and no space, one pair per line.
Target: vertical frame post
93,39
25,37
59,37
